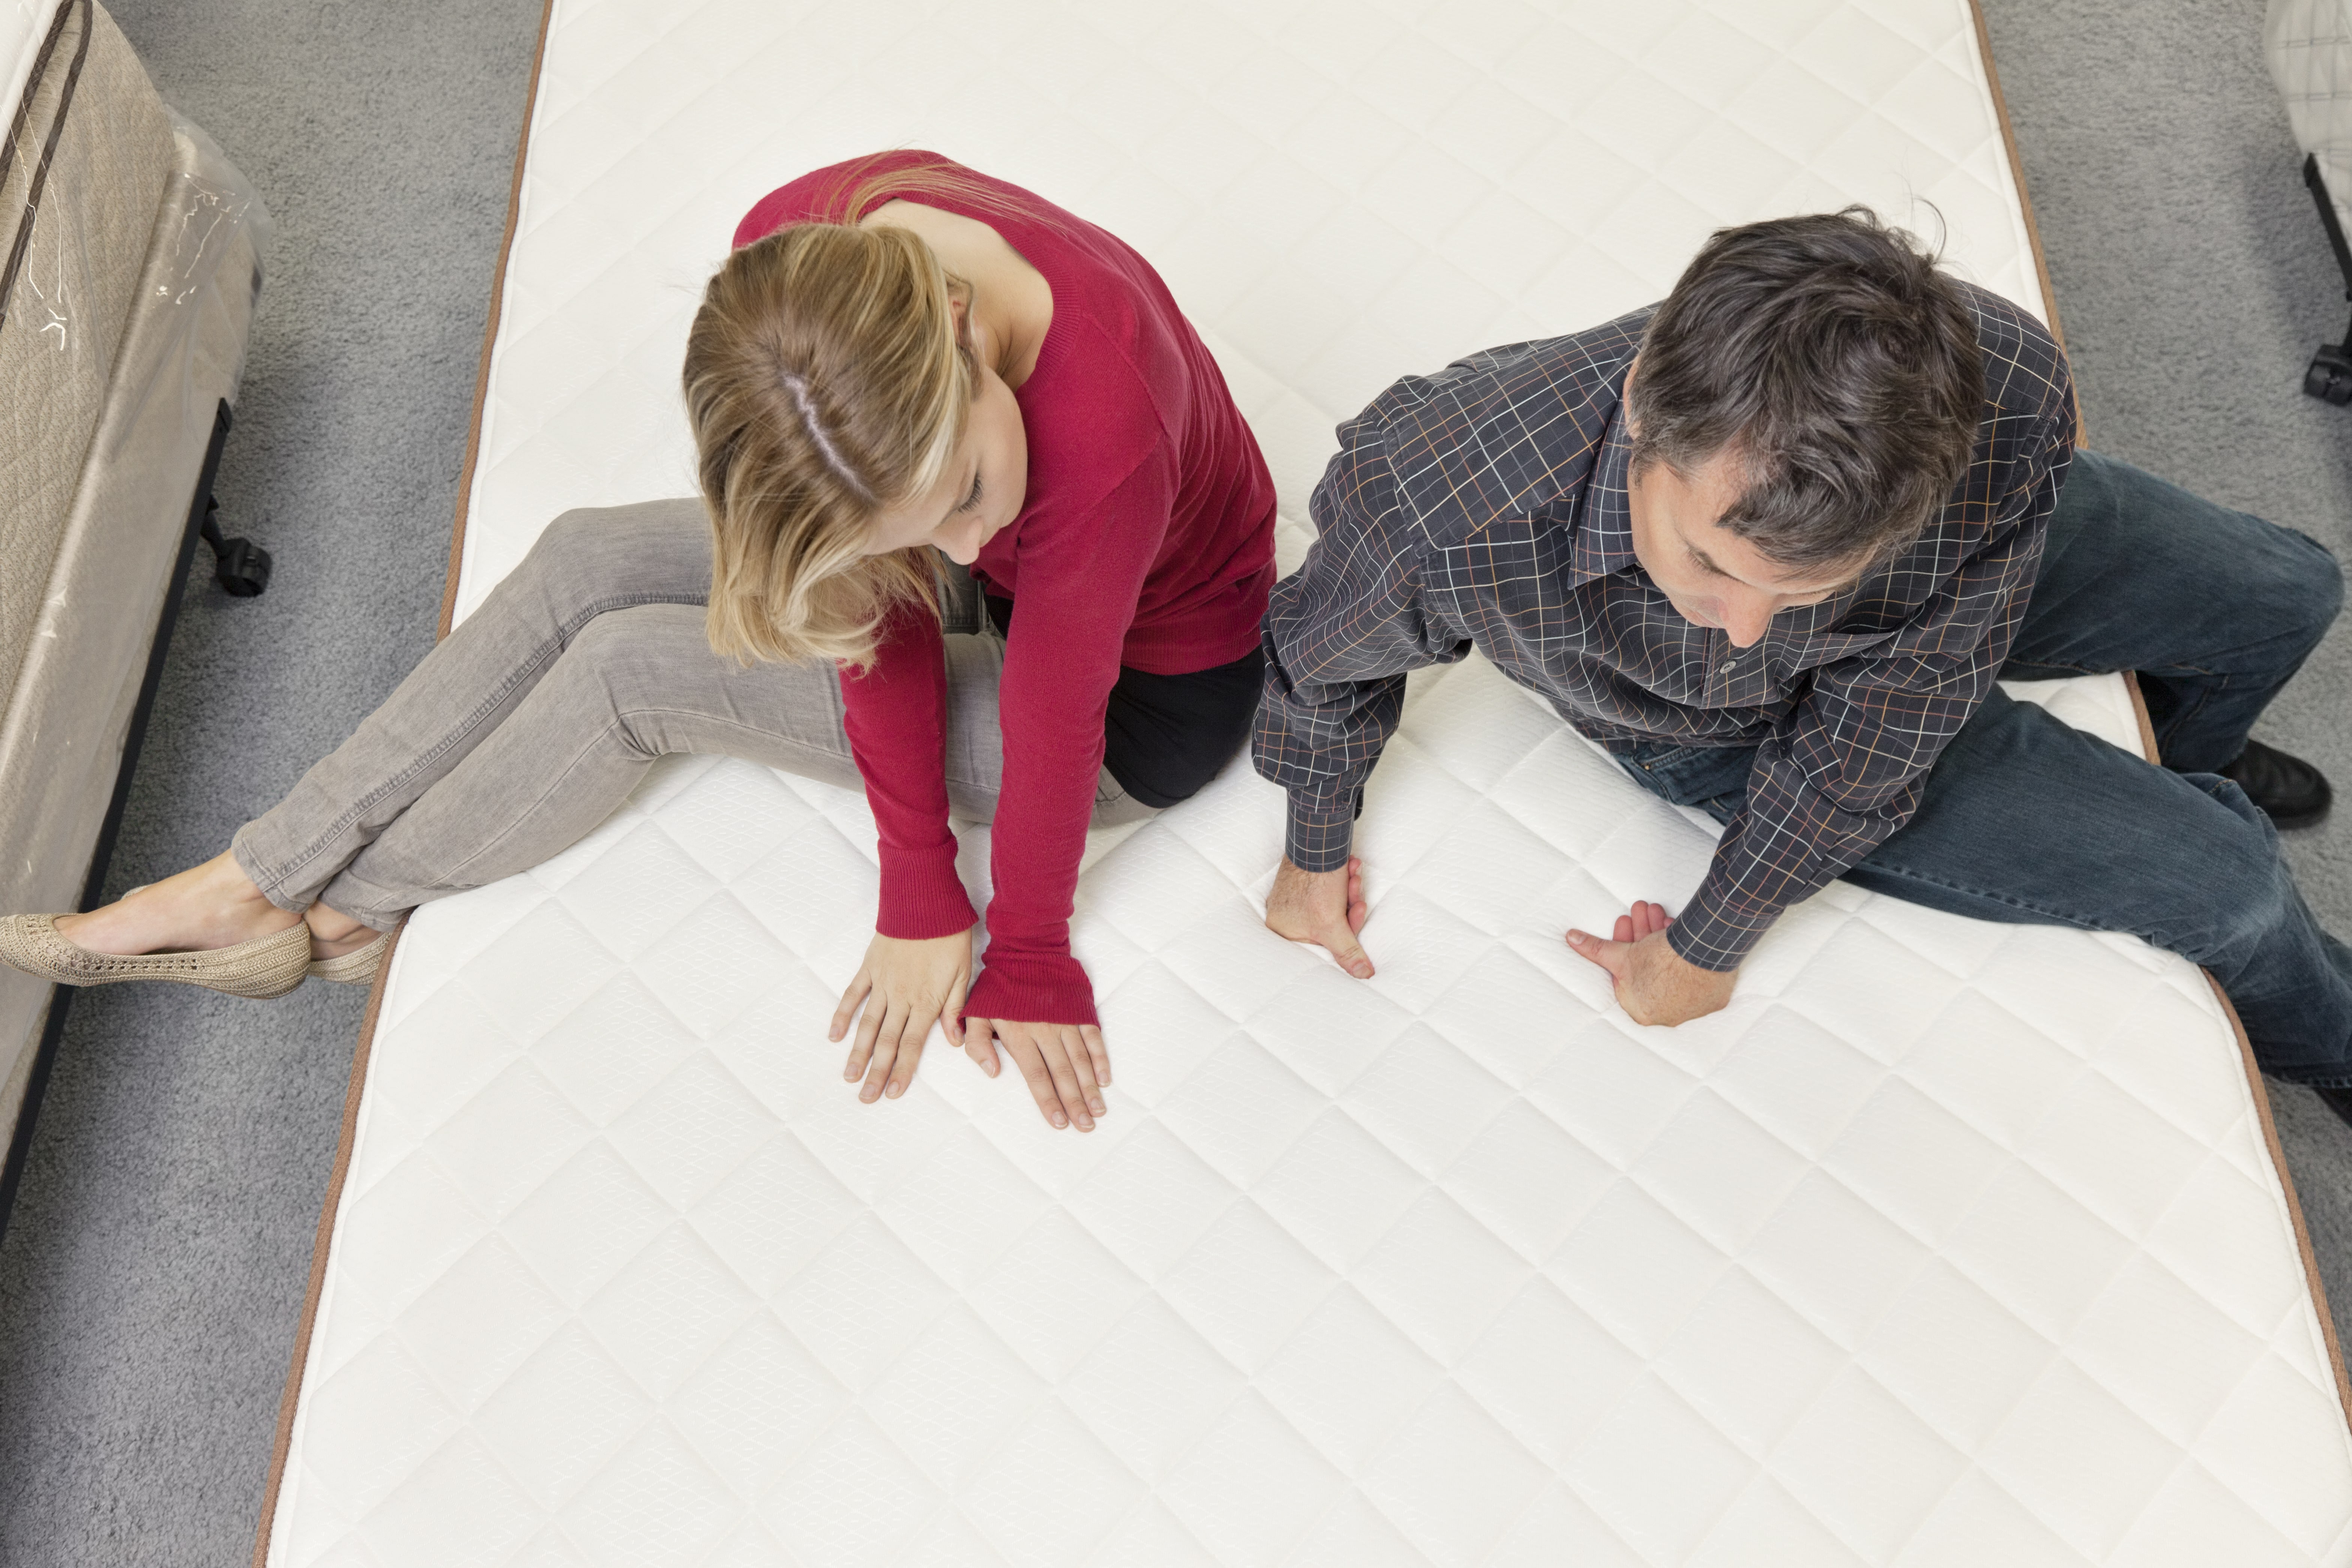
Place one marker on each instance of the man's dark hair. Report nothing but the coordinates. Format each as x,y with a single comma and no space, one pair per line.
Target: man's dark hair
1828,354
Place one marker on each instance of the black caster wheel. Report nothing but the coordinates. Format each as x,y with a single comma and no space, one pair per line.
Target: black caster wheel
2329,379
2330,376
239,565
242,568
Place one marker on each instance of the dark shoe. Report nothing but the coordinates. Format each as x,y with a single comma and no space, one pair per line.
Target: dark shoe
2291,791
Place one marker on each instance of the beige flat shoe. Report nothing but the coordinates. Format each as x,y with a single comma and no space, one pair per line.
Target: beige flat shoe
263,968
357,967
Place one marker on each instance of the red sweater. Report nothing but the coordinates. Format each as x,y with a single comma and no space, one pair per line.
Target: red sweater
1145,538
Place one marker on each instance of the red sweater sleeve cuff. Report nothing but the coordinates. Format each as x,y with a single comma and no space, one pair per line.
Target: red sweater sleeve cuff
922,896
1032,988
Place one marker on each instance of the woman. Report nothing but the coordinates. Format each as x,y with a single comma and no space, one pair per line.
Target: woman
902,359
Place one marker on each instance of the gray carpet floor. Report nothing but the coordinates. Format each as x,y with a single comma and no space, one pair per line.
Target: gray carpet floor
156,1262
153,1271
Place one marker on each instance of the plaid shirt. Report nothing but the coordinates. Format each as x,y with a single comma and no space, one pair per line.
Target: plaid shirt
1485,506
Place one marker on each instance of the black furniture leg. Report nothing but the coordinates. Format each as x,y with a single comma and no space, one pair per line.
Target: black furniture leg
239,565
2329,377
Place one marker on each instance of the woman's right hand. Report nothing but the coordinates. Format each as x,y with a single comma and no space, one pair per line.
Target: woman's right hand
906,986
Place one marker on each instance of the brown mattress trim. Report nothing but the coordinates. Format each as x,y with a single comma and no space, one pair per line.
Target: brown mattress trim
40,182
2286,1185
289,1399
2260,1094
489,337
2258,1091
2016,171
319,1244
2025,206
322,1242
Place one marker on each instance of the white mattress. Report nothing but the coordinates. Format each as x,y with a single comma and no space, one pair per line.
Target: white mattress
1946,1243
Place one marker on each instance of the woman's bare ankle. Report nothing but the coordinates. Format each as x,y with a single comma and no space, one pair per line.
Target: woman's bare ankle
334,933
212,905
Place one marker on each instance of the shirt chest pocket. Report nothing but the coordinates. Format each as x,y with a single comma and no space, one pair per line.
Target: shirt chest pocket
1803,655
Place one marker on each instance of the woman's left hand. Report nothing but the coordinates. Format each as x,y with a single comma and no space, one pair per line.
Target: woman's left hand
907,986
1065,1064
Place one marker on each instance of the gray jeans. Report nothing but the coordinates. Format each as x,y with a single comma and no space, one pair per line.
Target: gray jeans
529,722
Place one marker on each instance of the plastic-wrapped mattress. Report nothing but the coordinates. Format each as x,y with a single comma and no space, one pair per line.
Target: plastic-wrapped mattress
71,281
1946,1243
129,262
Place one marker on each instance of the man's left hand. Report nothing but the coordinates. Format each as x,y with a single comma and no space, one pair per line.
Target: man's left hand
1655,984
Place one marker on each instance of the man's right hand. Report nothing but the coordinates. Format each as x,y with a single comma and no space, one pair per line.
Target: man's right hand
1326,908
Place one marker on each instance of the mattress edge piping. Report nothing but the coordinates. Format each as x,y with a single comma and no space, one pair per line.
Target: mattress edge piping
490,334
289,1399
2256,1088
2016,168
2259,1093
2025,204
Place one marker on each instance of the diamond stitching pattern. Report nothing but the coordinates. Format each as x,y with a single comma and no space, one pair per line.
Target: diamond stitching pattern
1329,1231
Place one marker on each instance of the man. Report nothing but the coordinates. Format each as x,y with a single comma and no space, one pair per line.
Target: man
1770,544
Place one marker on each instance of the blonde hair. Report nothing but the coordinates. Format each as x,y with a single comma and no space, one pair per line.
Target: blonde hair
826,380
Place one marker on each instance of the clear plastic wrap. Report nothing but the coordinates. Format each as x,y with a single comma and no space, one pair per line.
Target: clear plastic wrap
132,249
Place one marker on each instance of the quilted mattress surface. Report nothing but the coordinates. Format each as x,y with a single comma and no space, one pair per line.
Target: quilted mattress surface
1946,1243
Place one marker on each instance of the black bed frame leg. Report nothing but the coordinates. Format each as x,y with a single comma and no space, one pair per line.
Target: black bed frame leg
239,565
2329,377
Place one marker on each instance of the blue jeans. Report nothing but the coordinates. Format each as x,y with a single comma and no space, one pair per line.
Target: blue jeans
2026,819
